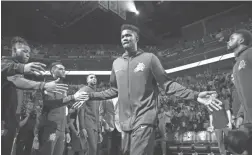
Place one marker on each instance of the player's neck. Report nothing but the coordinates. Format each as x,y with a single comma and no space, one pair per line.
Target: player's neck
239,50
132,51
92,86
56,77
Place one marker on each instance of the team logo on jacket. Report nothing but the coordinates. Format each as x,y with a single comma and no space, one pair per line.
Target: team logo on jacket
140,67
242,65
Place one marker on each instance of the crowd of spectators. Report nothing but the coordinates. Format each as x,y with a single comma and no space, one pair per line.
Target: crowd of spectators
181,46
185,115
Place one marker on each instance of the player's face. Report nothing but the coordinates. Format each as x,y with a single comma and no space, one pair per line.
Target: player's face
91,79
60,71
234,41
128,39
22,53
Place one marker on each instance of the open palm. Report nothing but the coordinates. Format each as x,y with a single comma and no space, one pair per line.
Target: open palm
209,101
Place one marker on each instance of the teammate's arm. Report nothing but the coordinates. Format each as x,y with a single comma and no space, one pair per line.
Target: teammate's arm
110,93
170,87
9,67
22,83
24,121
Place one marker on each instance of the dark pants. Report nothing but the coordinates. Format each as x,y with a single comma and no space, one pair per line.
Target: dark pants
52,146
72,152
92,141
140,141
220,140
115,142
24,143
7,141
79,145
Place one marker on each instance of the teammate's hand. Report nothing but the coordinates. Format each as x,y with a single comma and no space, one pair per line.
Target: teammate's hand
229,125
208,100
81,96
34,68
55,87
83,133
211,128
68,138
100,138
239,121
77,134
35,144
78,104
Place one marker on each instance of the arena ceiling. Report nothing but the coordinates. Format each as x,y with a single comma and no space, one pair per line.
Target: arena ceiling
77,22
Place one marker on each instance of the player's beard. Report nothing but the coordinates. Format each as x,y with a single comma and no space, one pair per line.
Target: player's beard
232,47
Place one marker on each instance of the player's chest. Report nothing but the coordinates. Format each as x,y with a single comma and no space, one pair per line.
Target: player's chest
133,67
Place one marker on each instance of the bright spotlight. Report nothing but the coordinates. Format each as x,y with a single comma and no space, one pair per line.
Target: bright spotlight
137,12
131,7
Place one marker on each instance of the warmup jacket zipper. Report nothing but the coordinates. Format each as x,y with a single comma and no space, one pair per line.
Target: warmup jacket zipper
129,89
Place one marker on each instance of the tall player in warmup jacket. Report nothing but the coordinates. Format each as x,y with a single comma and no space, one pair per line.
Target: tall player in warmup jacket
134,79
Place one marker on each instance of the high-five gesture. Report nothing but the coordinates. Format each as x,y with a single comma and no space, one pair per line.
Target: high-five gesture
55,87
208,98
34,68
81,98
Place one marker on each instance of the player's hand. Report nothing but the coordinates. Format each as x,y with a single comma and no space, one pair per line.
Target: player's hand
35,144
68,138
55,87
211,128
36,68
81,96
83,133
208,100
78,104
238,123
100,138
229,125
28,114
77,134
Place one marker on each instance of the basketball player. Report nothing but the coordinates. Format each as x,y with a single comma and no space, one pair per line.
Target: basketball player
134,80
240,43
12,71
89,117
52,136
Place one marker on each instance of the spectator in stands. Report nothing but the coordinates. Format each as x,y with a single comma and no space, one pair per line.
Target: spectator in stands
221,121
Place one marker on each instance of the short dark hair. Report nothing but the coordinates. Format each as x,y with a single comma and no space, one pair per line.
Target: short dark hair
18,40
247,36
130,27
54,64
89,75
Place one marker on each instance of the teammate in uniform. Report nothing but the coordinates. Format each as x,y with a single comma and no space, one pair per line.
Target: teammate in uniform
89,117
240,43
53,124
13,68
